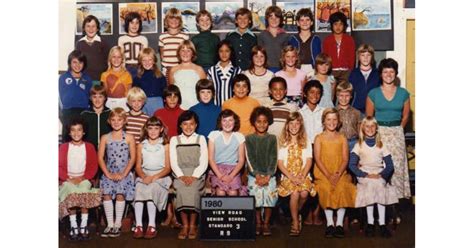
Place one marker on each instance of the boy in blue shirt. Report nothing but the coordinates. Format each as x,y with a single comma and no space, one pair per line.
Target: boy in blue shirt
206,110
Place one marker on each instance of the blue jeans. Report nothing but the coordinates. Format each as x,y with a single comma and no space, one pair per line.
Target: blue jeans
152,104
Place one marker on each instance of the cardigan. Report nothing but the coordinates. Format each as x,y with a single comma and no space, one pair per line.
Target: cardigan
361,87
346,56
91,162
315,47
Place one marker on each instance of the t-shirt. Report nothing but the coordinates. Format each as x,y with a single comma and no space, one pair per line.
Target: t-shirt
388,110
295,84
132,45
135,124
117,83
170,44
226,151
243,108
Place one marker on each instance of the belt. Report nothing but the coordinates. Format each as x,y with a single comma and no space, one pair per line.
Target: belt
389,123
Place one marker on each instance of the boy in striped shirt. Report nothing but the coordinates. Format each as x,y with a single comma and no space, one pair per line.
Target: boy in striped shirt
136,118
170,40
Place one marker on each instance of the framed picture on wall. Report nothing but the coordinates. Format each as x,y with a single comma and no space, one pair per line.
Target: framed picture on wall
147,12
324,8
223,14
370,15
290,8
103,12
188,10
258,7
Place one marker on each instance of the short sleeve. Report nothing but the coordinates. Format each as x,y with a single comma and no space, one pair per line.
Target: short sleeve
240,137
373,93
405,95
213,135
160,41
308,151
281,153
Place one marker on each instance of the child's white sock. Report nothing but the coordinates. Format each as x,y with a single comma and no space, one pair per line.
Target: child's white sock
119,208
370,214
109,212
72,219
138,213
381,209
340,216
329,220
84,218
151,213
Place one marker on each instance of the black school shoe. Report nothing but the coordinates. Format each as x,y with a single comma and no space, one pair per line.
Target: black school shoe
339,233
384,232
84,233
330,232
74,234
369,230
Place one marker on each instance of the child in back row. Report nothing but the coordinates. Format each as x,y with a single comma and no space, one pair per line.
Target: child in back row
223,73
170,113
259,75
117,80
241,103
136,119
152,168
261,153
189,159
132,43
150,79
205,42
96,117
93,47
281,109
295,78
77,166
242,39
227,155
206,110
116,159
274,38
372,163
169,41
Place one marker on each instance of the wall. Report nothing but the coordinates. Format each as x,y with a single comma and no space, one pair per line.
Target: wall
66,29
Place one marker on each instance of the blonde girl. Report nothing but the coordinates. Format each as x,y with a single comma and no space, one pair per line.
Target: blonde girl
322,69
294,161
150,79
372,163
186,74
116,159
332,183
169,41
259,75
117,80
295,78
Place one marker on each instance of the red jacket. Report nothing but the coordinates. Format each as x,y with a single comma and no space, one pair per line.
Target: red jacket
346,54
91,162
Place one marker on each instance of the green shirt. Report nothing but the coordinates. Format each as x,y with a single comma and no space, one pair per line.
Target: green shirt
261,154
206,48
388,110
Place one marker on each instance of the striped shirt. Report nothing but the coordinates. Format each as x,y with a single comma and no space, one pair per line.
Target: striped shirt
222,78
135,124
281,111
131,46
170,44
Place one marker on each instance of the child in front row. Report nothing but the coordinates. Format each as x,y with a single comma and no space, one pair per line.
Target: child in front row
77,166
189,158
116,159
206,110
227,155
152,168
117,80
332,182
372,163
281,109
150,79
294,161
241,103
261,151
242,39
135,117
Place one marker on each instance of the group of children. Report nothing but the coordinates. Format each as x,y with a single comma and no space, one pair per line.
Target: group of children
260,112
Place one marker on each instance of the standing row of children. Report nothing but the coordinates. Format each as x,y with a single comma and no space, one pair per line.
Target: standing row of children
228,149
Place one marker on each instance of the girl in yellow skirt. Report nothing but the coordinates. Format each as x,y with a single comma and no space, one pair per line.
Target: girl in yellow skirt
332,182
294,161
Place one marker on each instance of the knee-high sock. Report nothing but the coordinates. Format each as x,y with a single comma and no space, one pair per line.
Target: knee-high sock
119,208
138,213
370,214
151,213
340,216
109,213
381,209
73,220
329,220
84,218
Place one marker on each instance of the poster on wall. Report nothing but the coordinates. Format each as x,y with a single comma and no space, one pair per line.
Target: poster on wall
371,15
289,9
103,12
258,7
146,10
324,8
223,14
188,10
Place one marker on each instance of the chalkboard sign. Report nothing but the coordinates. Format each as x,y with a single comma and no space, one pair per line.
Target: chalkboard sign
227,218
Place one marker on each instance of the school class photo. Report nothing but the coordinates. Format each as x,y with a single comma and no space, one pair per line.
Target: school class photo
277,122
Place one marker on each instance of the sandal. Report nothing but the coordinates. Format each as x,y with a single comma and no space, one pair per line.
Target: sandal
266,230
192,232
258,229
183,234
294,231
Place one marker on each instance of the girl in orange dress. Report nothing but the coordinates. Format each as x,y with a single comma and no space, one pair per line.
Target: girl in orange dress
332,182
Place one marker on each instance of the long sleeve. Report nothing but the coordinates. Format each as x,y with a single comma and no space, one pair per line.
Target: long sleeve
353,165
174,158
273,155
203,159
62,156
91,162
351,52
388,170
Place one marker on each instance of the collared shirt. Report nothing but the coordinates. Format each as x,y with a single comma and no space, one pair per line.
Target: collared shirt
96,38
312,120
242,44
203,159
350,119
76,160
